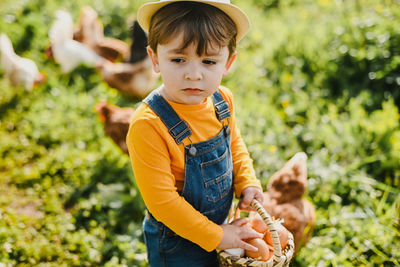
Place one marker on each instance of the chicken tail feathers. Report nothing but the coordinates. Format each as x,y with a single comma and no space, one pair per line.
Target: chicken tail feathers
7,53
62,28
6,45
139,43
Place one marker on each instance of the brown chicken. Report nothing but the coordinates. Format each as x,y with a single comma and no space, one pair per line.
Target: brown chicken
135,78
116,122
283,199
90,33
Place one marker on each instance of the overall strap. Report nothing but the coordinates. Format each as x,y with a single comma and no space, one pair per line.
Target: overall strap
178,128
221,106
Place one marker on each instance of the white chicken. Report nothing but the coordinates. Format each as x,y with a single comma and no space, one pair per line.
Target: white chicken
66,51
18,70
90,33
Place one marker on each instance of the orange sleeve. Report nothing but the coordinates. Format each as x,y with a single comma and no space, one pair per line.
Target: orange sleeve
150,159
243,170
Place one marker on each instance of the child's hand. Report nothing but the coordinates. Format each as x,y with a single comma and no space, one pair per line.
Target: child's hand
235,233
248,194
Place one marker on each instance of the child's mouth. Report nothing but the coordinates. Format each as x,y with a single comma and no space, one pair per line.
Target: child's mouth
193,90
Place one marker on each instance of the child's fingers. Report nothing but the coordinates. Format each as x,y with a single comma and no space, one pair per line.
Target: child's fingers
259,198
249,233
240,221
247,246
245,201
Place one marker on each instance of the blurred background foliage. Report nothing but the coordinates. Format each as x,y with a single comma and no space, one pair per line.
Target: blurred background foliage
316,76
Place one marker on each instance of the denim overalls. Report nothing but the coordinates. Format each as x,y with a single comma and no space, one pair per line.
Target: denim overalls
208,187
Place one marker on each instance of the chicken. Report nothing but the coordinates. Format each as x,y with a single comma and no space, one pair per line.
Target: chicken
90,33
66,51
138,49
283,199
290,182
136,78
116,122
18,70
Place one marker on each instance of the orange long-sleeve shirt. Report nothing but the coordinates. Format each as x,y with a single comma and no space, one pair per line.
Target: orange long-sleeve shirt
159,166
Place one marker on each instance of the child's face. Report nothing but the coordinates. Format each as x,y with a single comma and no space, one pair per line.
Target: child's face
189,78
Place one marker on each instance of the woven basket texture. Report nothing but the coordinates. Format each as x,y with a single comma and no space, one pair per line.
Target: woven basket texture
281,257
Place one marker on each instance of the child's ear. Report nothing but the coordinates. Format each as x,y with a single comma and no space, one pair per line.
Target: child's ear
229,63
154,59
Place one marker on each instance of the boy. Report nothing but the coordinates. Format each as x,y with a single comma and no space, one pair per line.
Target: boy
186,150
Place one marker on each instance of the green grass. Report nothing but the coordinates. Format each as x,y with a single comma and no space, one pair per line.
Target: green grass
314,76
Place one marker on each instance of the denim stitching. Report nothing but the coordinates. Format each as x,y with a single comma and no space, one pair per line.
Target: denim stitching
217,208
223,156
151,221
164,239
209,141
223,193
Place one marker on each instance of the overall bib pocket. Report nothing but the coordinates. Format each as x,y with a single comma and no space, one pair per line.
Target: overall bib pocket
217,176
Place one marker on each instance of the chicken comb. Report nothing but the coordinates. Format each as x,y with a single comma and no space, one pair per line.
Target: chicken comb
42,77
99,109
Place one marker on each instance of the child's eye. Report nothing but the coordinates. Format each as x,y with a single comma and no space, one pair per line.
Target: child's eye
209,62
177,60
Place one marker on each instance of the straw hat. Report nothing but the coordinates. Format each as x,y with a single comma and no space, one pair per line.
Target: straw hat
146,11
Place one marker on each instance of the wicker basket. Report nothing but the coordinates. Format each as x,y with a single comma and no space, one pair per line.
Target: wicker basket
281,257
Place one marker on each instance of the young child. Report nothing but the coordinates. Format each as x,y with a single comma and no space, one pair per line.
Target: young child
187,153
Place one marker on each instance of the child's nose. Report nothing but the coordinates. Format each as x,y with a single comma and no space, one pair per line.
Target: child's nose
193,73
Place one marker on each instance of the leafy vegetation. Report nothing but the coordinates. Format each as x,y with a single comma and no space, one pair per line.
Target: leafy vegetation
316,76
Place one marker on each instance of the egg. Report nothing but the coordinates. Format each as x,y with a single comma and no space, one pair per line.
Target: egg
257,223
235,251
283,234
263,250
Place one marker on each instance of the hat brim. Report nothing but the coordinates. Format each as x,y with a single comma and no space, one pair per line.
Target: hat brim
242,22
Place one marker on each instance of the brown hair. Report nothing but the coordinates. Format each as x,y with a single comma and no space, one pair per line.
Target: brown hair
200,23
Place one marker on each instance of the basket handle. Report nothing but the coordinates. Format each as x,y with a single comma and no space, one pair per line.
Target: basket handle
271,227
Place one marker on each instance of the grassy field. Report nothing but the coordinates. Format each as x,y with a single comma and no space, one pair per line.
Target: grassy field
321,77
